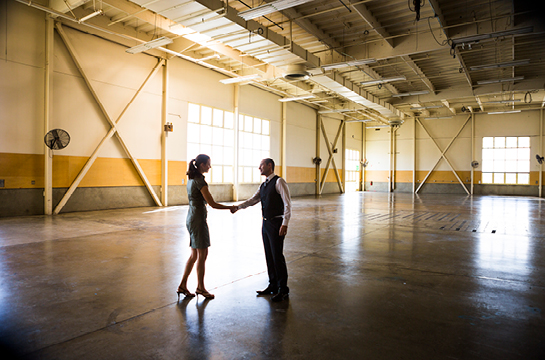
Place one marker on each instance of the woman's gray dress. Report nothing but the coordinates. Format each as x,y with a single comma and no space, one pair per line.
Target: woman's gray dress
196,216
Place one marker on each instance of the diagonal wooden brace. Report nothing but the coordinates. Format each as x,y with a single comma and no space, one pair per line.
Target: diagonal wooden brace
331,159
110,133
443,156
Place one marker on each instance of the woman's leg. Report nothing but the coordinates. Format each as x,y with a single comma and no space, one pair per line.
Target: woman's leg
188,268
202,255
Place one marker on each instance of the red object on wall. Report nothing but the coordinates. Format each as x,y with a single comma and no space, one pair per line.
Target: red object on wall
371,183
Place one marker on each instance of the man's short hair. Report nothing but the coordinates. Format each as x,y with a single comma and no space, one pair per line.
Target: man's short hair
269,161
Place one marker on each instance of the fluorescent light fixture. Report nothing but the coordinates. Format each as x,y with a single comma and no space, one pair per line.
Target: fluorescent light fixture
358,120
149,45
270,8
240,79
484,82
504,112
295,98
427,107
334,111
383,80
477,38
92,15
438,117
500,65
347,64
502,101
412,93
377,127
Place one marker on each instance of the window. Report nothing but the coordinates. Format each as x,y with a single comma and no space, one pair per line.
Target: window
254,145
506,160
210,131
352,172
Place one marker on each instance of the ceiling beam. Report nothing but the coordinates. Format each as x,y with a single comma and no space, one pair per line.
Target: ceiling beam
366,15
418,73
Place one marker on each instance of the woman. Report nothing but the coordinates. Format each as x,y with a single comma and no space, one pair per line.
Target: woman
199,196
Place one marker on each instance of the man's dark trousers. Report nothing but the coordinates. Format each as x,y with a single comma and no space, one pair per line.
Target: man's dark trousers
274,247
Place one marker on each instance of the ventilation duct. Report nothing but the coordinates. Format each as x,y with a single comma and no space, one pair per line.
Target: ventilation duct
296,72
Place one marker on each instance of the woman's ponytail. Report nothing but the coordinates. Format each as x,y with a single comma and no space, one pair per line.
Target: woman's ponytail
193,168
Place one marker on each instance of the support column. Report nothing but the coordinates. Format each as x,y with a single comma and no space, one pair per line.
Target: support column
48,153
236,162
284,142
540,151
318,168
363,155
472,150
414,155
164,137
343,159
390,161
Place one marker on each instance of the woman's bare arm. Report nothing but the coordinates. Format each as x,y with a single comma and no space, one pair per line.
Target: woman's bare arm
210,200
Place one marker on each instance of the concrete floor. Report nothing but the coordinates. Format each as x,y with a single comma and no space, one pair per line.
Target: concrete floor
372,276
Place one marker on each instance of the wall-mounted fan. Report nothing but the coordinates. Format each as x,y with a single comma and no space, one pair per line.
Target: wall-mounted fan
57,139
539,159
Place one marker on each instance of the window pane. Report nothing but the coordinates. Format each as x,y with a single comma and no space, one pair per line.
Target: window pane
499,166
241,122
206,115
206,135
510,178
228,174
217,176
488,142
209,175
248,122
257,126
499,142
488,154
257,176
193,113
229,138
511,142
247,140
523,179
256,140
206,149
266,143
523,166
192,151
228,156
247,174
265,127
240,174
217,136
228,120
511,165
487,178
523,154
256,157
524,141
247,158
498,178
499,154
217,155
218,117
193,132
511,154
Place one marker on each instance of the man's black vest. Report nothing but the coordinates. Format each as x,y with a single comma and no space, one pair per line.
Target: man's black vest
271,201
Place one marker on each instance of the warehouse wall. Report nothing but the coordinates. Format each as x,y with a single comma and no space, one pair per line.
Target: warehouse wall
112,181
442,179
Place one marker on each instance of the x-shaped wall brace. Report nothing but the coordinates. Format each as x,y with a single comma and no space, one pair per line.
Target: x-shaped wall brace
443,156
113,131
331,159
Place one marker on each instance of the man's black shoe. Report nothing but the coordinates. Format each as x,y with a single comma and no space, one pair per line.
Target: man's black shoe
268,291
280,296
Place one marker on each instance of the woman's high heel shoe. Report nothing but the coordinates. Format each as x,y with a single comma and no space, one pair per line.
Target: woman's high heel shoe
206,294
185,292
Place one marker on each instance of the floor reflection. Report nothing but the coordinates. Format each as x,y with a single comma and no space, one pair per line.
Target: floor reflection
196,331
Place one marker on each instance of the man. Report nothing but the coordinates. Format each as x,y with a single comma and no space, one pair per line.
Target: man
276,208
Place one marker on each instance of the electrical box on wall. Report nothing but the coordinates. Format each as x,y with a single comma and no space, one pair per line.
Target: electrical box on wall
169,127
